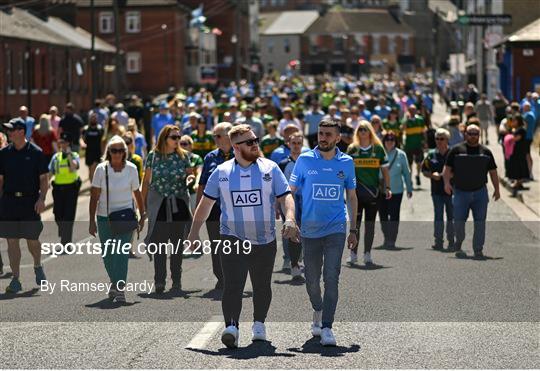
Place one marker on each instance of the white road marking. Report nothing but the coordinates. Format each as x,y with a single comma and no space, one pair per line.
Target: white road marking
202,338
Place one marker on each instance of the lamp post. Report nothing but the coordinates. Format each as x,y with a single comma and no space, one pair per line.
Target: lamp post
166,55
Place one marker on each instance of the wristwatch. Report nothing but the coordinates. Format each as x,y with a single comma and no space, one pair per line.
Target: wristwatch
355,231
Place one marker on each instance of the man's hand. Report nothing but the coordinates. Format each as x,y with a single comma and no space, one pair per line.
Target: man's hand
191,238
39,207
409,194
290,231
496,195
352,240
448,189
388,194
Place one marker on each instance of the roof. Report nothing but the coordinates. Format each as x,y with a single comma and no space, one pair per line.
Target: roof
446,9
358,20
530,32
266,19
20,24
104,3
291,22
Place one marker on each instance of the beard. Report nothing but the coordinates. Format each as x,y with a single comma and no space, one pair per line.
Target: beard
250,155
327,147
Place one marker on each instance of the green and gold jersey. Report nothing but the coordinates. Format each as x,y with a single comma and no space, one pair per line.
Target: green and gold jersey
203,144
414,133
269,144
367,163
220,110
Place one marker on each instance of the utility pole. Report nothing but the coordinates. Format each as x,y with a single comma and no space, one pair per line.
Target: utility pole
435,51
94,79
117,59
237,62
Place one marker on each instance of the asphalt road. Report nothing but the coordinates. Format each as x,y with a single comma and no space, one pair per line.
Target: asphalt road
420,308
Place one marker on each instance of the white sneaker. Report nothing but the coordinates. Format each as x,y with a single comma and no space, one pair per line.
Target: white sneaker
327,337
296,273
367,258
317,323
353,258
259,331
229,337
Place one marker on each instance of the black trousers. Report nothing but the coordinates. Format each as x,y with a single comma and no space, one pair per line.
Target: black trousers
260,264
212,225
389,211
171,232
64,209
369,208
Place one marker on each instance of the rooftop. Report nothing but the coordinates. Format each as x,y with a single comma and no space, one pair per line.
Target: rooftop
530,32
291,22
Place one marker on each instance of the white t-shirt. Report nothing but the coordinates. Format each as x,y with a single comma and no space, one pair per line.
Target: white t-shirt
121,186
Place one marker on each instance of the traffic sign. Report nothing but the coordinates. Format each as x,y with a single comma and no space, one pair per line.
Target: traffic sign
485,19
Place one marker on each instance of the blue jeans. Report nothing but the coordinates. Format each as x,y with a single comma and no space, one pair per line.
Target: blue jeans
324,254
477,201
440,204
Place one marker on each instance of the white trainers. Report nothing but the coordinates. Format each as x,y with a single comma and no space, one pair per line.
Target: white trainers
327,337
296,273
259,331
317,323
367,258
229,337
353,258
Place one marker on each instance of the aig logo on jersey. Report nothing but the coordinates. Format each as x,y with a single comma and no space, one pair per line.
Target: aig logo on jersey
246,198
326,192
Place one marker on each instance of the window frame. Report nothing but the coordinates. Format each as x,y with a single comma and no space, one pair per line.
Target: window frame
133,14
129,58
102,16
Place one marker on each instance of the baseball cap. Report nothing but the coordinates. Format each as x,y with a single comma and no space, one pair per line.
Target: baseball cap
16,123
163,105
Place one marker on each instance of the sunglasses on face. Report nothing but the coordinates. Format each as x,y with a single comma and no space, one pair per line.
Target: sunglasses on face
390,140
363,130
249,142
174,137
473,133
184,144
116,151
440,138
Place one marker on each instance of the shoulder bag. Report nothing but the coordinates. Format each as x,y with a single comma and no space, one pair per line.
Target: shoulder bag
121,221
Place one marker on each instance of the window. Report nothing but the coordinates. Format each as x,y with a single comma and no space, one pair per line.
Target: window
23,72
313,43
10,75
287,45
391,45
133,22
338,44
405,49
133,60
106,22
270,46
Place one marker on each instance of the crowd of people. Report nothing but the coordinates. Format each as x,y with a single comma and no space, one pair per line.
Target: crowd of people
322,154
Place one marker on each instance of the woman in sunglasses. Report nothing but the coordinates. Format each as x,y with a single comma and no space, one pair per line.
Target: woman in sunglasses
165,191
369,158
400,175
114,185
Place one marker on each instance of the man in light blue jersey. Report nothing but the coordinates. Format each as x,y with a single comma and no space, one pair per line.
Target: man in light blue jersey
247,188
323,176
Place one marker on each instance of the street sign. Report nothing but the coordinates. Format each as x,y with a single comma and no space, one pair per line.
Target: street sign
485,19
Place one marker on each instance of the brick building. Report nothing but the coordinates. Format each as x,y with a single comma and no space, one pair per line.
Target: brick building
152,37
45,62
337,41
231,17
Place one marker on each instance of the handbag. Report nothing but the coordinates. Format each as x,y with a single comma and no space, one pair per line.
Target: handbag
121,221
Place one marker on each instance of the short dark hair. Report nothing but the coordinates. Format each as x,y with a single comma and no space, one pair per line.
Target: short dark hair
330,123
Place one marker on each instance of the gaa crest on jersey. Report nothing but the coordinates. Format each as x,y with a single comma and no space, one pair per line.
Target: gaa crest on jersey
267,177
341,174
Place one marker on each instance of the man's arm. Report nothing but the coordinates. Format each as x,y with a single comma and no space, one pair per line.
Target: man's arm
287,205
352,200
200,190
43,188
495,181
447,175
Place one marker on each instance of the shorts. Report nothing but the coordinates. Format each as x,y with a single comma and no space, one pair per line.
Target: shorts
415,154
18,218
92,158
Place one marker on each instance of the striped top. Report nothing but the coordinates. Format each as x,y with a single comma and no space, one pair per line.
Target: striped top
247,197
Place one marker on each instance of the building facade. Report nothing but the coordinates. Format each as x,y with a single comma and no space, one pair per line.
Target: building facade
46,61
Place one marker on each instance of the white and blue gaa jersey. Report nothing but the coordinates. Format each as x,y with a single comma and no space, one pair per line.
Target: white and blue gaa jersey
247,198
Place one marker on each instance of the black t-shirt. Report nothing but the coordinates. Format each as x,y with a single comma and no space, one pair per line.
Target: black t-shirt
92,136
21,169
470,166
72,124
